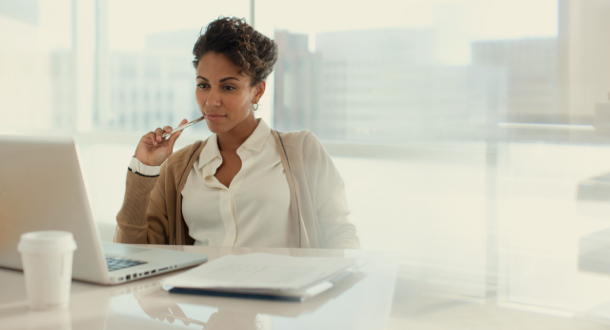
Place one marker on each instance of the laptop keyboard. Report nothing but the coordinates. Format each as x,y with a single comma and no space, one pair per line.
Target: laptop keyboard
115,263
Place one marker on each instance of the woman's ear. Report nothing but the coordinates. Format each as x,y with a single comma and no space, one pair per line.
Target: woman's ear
260,90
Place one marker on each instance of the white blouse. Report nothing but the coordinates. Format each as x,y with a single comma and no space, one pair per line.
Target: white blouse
253,211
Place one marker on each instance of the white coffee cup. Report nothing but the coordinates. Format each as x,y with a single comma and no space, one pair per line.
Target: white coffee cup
47,266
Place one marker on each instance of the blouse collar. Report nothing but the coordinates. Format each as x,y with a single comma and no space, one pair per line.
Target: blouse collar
254,142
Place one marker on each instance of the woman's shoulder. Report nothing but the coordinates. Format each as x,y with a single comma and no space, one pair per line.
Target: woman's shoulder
299,138
303,144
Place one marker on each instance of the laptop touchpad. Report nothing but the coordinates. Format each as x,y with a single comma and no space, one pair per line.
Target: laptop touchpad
122,249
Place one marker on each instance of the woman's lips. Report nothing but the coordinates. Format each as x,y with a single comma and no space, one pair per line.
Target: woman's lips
214,118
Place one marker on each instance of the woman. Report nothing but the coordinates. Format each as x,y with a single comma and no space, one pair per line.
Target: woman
246,185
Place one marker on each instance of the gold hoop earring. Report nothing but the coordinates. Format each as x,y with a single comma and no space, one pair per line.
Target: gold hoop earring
255,106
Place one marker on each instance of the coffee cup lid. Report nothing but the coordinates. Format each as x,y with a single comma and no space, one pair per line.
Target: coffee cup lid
49,241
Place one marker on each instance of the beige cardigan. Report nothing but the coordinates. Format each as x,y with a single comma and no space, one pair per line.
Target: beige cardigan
152,208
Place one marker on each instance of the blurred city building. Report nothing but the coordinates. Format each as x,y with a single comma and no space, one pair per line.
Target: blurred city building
532,74
153,87
297,80
380,85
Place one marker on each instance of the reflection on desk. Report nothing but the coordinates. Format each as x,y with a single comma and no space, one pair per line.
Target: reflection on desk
362,301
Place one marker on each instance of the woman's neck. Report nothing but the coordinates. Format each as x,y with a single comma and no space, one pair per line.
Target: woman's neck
233,139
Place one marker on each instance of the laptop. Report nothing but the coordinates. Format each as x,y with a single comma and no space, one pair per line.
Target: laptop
42,188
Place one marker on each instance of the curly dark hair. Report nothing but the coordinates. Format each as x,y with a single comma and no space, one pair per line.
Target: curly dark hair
250,50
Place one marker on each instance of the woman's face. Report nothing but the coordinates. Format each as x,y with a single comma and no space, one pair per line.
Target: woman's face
225,95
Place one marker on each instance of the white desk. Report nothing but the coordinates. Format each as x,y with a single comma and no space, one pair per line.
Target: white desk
381,296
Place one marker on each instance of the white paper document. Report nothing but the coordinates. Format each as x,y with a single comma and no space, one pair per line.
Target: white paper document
262,272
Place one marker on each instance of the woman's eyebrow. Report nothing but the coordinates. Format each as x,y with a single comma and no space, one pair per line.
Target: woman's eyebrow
221,80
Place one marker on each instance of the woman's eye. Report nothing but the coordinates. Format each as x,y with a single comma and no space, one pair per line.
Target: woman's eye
202,86
229,88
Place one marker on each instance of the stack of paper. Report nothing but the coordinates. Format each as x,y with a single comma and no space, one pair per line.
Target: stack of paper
263,275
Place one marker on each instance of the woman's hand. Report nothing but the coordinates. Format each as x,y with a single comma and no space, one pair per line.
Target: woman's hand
153,150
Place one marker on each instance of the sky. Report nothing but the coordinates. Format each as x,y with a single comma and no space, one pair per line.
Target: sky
129,21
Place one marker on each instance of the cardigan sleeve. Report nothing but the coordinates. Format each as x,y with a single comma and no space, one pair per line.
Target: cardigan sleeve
327,191
143,217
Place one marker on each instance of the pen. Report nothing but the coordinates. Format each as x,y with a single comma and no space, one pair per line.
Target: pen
181,127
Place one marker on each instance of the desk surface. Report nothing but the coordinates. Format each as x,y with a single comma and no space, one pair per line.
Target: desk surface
383,295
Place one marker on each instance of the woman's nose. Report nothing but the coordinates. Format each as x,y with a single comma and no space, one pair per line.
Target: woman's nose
213,98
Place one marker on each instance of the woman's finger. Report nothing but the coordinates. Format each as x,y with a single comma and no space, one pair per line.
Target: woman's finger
158,133
175,136
148,138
